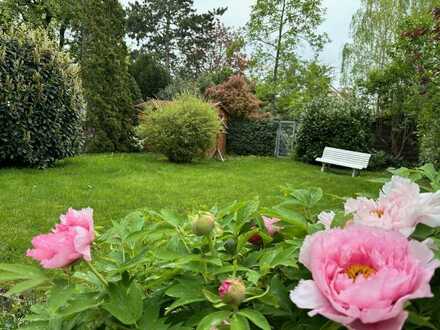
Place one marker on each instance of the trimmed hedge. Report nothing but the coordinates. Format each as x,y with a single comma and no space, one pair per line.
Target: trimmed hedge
41,102
333,122
251,137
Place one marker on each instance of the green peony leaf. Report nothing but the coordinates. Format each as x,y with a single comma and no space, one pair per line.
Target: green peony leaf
256,318
239,322
213,320
125,303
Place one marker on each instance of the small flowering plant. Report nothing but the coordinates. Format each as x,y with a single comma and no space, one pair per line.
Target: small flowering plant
369,266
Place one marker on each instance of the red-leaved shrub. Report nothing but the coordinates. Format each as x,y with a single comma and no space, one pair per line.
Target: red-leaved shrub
235,97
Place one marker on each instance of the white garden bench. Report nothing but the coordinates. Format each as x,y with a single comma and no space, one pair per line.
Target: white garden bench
346,158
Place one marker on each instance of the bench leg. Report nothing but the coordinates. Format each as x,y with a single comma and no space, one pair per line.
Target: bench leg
354,173
323,167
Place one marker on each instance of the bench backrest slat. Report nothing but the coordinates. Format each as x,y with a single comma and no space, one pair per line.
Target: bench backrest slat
348,156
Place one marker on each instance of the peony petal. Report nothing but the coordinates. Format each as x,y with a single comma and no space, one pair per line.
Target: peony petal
82,218
307,295
429,209
59,260
305,252
395,323
422,252
399,189
326,218
81,241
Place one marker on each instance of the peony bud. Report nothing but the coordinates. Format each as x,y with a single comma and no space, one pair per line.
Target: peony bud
203,224
256,240
232,291
230,246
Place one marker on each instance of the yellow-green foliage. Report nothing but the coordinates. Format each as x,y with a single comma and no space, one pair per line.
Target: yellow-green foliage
182,129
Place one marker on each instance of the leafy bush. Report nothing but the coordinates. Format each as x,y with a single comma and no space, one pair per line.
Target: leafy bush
150,75
429,132
333,122
236,267
251,137
181,129
235,97
40,100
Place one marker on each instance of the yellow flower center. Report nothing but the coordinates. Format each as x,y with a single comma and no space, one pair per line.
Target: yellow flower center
357,269
379,213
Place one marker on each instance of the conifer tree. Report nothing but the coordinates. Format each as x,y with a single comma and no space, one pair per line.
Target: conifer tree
103,58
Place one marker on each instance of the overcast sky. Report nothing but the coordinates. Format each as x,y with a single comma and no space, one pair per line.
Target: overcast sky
337,22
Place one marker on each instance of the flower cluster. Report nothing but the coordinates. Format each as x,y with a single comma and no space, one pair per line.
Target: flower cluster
69,241
364,273
400,206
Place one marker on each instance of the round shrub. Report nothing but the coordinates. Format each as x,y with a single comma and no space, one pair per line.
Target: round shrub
40,100
334,122
182,129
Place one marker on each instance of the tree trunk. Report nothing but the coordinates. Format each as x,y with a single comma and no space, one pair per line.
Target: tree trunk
62,31
280,36
168,41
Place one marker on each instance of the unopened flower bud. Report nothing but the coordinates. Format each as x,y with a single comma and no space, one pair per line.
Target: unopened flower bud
232,291
230,246
256,240
203,224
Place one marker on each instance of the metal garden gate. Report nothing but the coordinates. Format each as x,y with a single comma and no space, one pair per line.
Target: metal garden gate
285,138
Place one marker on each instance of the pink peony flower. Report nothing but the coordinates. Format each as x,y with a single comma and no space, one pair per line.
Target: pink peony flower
326,218
400,207
69,241
362,276
269,224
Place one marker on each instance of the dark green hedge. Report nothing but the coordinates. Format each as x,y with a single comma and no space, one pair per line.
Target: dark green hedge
40,100
334,122
251,137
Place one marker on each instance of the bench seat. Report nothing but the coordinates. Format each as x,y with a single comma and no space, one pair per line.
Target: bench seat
345,158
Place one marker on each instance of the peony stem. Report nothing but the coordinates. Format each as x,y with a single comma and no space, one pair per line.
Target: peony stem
98,274
234,269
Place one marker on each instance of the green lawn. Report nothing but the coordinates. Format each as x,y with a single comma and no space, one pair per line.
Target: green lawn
113,185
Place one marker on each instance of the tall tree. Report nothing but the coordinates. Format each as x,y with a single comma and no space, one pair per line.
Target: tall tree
296,87
104,71
57,17
227,49
374,28
174,31
150,75
278,27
